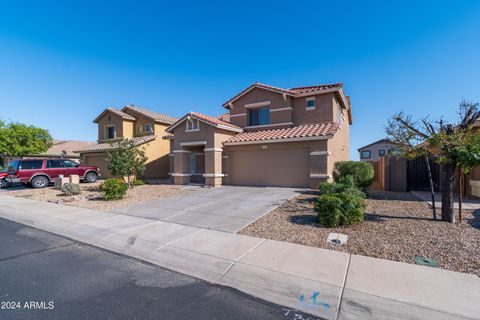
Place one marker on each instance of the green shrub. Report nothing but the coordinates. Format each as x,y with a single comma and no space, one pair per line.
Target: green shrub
353,208
329,210
113,189
341,203
138,182
362,172
71,189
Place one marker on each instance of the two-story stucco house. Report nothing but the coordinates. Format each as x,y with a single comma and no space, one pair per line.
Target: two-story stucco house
269,137
145,127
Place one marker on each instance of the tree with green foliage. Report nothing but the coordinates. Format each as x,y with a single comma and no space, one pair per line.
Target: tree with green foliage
126,160
453,144
17,139
361,172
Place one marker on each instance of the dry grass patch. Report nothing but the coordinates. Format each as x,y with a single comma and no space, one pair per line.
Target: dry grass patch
397,227
91,198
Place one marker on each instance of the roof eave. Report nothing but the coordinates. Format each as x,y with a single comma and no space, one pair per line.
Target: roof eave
226,105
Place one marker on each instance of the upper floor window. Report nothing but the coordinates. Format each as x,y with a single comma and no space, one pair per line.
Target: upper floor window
148,127
259,116
366,154
139,128
192,125
310,103
381,153
110,132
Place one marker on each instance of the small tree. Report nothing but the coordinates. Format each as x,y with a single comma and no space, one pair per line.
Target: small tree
17,139
126,160
445,141
411,144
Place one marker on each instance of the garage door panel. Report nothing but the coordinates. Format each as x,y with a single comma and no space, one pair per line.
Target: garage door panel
287,167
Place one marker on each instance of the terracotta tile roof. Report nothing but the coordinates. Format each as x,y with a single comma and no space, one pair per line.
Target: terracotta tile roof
109,146
213,120
216,122
151,114
302,131
290,91
224,117
114,111
299,90
59,146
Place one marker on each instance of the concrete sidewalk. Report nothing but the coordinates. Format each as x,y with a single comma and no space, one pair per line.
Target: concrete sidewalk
329,284
468,204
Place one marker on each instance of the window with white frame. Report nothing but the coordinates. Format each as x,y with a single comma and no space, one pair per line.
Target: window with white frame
310,103
192,125
148,127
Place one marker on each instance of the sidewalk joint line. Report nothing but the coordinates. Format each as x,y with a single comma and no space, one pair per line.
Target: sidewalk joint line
240,258
343,286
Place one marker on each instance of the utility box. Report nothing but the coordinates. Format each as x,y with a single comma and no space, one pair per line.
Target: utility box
74,178
60,181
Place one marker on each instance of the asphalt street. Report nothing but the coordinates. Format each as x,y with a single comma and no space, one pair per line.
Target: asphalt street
44,276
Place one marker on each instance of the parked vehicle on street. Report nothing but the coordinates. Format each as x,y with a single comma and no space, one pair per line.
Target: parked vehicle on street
4,183
40,172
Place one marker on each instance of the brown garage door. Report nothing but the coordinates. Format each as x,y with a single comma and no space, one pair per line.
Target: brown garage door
282,167
100,162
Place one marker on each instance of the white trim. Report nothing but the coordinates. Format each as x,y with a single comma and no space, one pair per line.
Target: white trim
181,174
192,130
270,125
197,174
281,109
213,175
258,104
192,122
225,157
193,143
253,86
171,155
184,118
320,153
320,175
278,140
199,153
213,149
181,151
238,115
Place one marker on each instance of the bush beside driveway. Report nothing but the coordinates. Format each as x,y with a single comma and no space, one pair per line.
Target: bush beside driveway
398,226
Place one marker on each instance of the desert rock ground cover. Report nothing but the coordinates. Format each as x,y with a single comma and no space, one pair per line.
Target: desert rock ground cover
397,227
91,197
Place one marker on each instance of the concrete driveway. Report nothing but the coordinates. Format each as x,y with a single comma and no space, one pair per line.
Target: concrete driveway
228,208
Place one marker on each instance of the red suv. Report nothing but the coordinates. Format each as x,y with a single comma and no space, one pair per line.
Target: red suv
40,172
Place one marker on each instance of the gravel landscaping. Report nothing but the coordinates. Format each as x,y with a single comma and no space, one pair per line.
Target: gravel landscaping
91,197
397,227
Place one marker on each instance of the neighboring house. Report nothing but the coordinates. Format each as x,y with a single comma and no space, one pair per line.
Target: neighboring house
269,137
145,127
60,149
376,150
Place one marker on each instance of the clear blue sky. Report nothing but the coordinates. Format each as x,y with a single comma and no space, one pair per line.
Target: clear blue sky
62,63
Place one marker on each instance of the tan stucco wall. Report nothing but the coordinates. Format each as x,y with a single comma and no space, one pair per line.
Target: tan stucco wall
325,108
123,128
212,159
323,112
260,95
